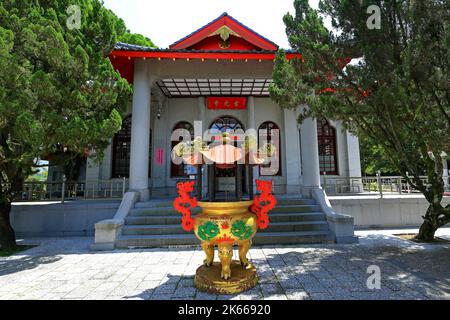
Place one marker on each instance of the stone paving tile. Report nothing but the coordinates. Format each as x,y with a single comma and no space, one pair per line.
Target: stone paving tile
66,269
185,292
205,296
272,288
276,297
165,289
296,294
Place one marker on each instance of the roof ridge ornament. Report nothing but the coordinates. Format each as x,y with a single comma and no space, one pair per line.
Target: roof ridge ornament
224,32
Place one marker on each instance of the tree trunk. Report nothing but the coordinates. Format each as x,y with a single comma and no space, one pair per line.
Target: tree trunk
7,234
433,220
426,232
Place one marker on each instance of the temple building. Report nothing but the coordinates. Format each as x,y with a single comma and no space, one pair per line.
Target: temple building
217,78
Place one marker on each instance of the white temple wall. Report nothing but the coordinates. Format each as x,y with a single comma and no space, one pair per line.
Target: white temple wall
175,110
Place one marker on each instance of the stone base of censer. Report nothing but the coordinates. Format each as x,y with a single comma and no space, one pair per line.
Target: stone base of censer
208,279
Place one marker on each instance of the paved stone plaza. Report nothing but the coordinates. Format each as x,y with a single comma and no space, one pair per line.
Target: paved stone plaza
66,269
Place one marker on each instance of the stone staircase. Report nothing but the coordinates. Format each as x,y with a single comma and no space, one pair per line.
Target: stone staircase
157,224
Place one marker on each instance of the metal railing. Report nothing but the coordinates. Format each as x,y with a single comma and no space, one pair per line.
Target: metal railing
379,184
72,190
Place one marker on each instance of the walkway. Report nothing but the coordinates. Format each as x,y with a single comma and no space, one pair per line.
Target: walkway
66,269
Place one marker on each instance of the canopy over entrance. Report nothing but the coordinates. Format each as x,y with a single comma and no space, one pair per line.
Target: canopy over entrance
173,88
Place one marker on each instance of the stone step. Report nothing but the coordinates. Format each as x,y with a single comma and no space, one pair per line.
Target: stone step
176,218
296,208
177,229
262,238
154,204
169,203
170,211
163,211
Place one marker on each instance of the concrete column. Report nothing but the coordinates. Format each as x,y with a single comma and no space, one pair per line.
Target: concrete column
251,124
310,156
354,158
446,174
342,154
354,162
292,151
92,170
106,167
158,174
199,130
140,131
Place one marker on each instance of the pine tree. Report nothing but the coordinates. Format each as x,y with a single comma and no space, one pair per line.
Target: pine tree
394,94
58,89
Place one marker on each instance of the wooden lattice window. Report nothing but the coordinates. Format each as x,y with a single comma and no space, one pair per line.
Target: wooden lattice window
326,136
122,151
181,170
266,129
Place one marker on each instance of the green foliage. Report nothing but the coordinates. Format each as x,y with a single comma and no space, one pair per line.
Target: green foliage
59,94
138,39
41,175
373,159
395,96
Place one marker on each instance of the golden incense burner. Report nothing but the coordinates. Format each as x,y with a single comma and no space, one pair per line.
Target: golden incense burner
226,224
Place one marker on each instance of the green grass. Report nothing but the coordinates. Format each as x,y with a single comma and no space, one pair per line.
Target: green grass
20,248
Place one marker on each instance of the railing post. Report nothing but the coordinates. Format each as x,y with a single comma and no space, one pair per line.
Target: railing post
63,188
41,193
30,191
399,185
407,183
124,185
380,185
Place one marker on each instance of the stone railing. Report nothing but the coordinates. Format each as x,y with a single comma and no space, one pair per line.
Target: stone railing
378,185
73,190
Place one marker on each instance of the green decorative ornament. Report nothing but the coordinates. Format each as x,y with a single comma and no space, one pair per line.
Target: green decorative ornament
241,231
208,231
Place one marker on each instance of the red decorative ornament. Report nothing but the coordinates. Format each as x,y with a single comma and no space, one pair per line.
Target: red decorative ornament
184,203
224,239
263,203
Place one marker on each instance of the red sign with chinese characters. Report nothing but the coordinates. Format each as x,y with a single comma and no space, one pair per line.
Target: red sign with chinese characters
227,103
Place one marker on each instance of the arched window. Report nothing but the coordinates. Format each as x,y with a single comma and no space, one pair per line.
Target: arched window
181,170
226,124
122,151
222,125
326,136
266,129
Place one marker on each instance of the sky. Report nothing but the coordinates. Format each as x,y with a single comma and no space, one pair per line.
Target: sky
166,21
